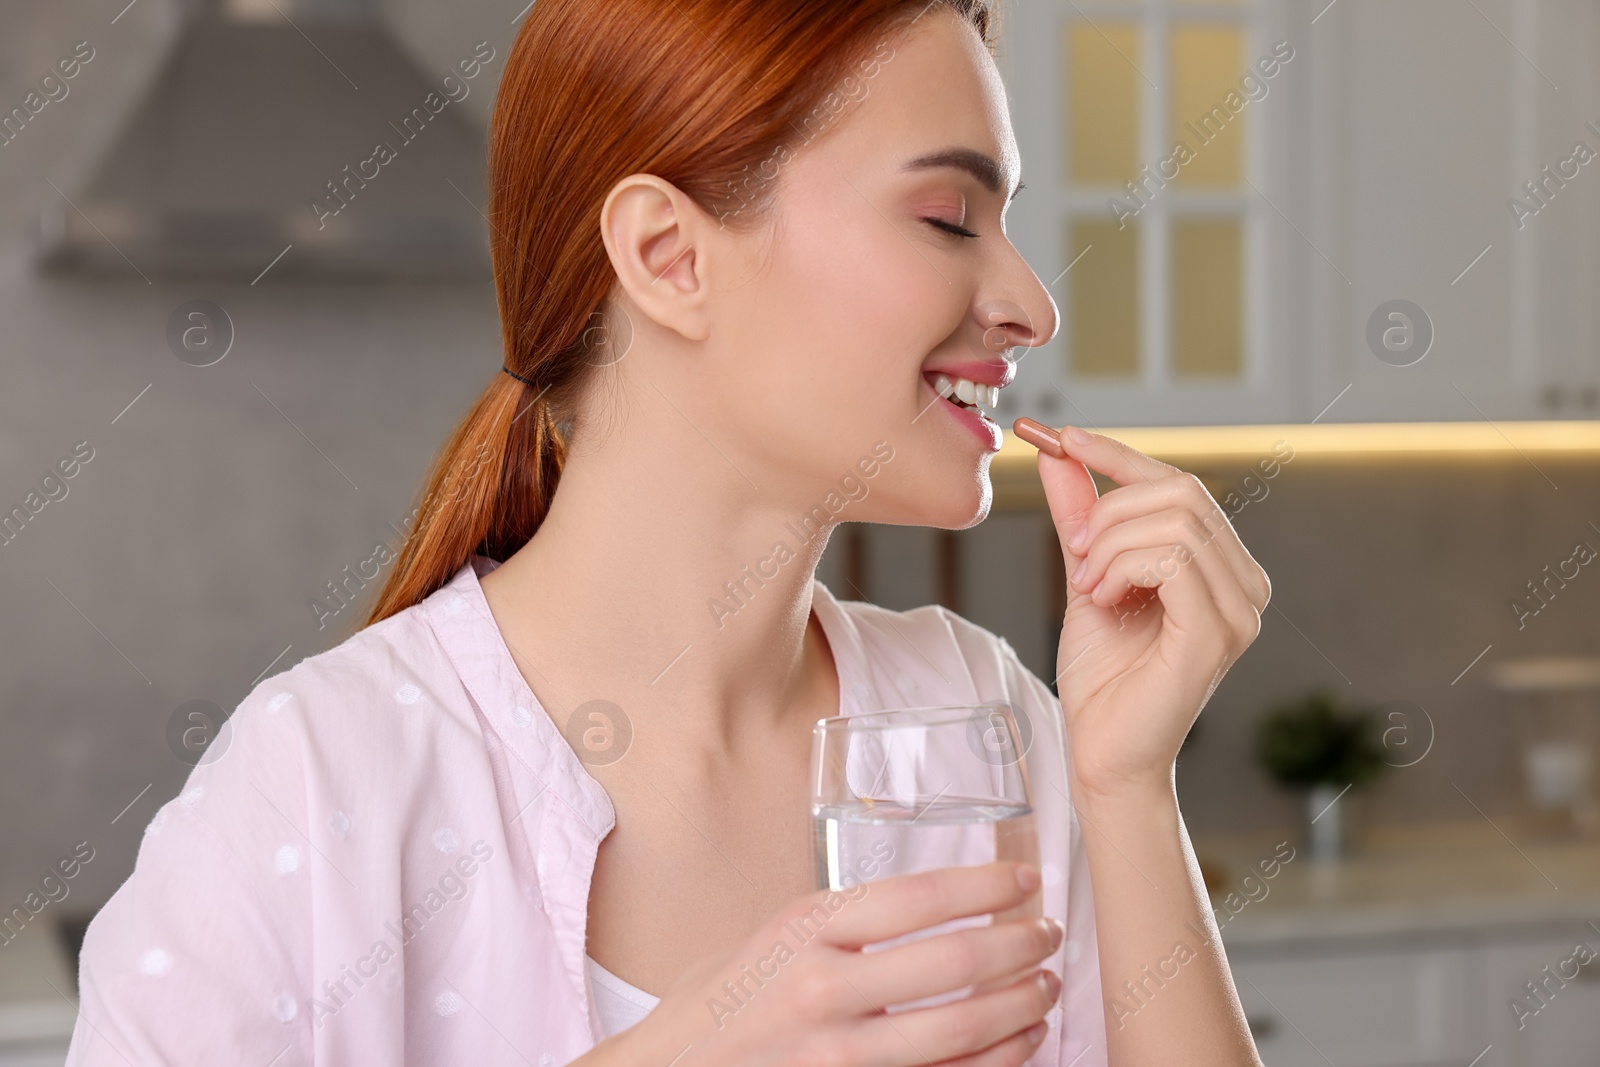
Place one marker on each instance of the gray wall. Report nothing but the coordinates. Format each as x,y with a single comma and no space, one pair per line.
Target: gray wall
176,568
180,562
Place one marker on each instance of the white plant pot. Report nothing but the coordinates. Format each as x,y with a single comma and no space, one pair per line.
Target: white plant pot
1329,819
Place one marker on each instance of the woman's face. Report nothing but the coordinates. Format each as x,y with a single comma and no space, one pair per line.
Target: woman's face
825,329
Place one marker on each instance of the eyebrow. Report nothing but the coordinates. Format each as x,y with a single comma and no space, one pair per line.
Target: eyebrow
975,163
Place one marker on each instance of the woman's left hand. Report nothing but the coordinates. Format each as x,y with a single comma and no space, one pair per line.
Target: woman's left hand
1167,600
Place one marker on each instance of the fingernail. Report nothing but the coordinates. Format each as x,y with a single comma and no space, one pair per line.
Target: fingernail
1076,541
1036,1032
1055,930
1050,985
1076,435
1082,569
1028,877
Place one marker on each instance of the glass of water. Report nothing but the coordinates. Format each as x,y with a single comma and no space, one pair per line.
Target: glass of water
915,789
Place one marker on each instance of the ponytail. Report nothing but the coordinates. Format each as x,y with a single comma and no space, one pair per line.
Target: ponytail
488,490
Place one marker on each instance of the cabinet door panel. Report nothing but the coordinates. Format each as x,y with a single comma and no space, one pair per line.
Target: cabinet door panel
1559,1021
1416,125
1370,1009
1451,173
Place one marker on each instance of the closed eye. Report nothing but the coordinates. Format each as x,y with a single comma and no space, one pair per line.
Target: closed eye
949,227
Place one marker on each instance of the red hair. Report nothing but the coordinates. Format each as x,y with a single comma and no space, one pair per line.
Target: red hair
699,93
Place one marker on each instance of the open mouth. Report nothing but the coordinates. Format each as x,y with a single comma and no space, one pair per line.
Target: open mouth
970,403
964,393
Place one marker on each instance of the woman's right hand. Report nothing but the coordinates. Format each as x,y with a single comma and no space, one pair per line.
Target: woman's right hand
799,992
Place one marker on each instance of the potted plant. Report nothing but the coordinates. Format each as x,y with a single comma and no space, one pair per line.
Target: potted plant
1315,744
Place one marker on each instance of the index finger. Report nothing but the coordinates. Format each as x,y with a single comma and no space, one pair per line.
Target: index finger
906,903
1121,462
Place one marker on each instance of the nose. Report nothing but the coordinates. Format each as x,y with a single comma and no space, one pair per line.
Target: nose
1007,323
1017,312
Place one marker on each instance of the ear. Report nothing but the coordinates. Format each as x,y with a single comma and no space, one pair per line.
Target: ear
649,229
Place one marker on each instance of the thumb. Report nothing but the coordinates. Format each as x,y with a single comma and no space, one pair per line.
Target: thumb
1070,491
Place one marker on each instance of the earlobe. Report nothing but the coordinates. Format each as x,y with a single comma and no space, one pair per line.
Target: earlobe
648,229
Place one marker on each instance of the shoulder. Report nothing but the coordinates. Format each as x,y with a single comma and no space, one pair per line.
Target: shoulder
367,687
300,807
366,724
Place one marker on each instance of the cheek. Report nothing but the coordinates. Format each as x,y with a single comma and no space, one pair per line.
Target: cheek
842,314
822,354
866,304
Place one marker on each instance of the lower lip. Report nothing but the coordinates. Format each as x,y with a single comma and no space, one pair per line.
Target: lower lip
984,429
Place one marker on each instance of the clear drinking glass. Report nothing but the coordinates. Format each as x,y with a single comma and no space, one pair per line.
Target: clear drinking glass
915,789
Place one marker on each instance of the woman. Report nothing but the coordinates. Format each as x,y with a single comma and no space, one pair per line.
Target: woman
562,772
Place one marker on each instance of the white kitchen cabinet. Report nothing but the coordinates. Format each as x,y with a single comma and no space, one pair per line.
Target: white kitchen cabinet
1379,1007
36,1017
1559,1026
1425,1000
1148,43
36,1033
1379,168
1427,117
1563,259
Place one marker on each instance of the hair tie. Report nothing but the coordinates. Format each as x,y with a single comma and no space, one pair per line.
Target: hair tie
518,377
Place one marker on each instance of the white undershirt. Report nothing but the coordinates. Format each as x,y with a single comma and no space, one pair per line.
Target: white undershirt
618,1004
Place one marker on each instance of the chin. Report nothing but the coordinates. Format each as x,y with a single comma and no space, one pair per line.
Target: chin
945,503
981,499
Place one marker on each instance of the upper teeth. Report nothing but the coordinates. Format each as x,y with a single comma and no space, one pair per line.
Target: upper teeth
968,392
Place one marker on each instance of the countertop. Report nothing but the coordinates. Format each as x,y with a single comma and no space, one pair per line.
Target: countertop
1430,878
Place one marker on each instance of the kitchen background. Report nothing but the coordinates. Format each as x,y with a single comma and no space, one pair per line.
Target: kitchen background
1423,540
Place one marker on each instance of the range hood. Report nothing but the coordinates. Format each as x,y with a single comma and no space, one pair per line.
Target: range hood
257,146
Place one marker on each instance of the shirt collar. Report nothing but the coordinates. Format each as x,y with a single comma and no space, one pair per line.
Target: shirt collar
849,654
461,620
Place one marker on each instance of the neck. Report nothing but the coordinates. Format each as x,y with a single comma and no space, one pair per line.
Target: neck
671,589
